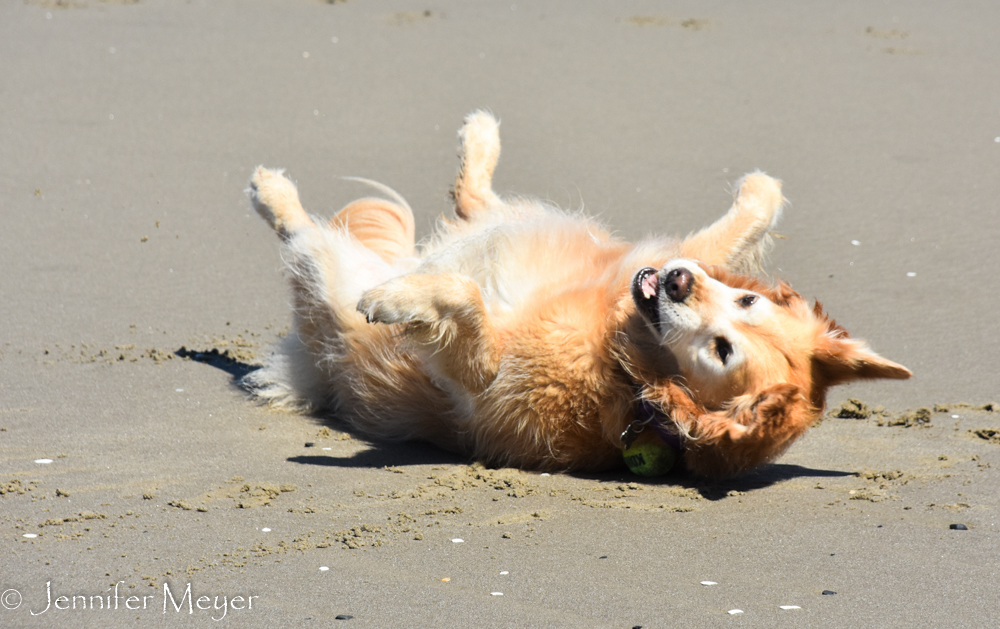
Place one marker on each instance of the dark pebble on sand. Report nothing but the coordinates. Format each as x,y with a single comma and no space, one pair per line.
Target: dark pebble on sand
828,592
343,617
958,527
310,444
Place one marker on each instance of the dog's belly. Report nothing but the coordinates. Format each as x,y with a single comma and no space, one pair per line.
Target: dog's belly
547,286
518,264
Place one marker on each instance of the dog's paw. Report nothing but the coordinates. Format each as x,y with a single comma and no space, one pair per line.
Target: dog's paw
276,199
480,136
759,201
479,152
422,298
396,301
740,239
776,401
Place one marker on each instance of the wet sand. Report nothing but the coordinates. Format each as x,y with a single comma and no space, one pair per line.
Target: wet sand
137,286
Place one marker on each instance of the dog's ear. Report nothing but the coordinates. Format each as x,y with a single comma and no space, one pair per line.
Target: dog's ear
753,429
838,358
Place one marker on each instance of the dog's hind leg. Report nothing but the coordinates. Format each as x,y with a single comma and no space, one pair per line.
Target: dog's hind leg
740,239
277,201
331,265
328,270
479,152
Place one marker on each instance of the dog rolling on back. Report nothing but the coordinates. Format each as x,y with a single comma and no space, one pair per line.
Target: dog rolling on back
523,335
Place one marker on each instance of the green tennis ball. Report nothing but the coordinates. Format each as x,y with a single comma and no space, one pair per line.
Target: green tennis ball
650,458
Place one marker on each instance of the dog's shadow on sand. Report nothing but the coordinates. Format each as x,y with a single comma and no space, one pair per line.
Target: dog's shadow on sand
717,489
385,454
380,455
221,361
760,478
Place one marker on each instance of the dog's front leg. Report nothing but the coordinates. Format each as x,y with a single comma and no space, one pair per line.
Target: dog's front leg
445,313
739,240
752,430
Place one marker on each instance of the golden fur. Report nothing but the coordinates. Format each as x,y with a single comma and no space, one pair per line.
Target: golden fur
524,335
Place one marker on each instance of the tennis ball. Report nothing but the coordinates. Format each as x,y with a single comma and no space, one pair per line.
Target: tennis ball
650,458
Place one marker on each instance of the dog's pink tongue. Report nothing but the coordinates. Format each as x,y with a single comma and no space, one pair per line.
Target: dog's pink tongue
649,285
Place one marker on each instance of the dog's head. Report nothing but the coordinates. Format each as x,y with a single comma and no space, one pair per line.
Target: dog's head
755,360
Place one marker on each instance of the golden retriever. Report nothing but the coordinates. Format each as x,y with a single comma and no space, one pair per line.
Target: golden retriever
524,335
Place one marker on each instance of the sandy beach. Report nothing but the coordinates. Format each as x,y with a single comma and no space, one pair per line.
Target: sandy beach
141,487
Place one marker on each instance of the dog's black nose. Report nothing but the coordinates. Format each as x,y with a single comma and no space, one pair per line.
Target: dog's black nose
677,284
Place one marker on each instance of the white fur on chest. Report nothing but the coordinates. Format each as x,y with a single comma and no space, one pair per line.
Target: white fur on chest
517,263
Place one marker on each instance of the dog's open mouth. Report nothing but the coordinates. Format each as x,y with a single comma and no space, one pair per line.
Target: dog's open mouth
645,294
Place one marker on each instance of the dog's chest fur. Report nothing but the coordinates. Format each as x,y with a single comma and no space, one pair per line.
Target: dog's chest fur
550,287
518,265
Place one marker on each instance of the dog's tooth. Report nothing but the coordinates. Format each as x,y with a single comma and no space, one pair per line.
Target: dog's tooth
649,286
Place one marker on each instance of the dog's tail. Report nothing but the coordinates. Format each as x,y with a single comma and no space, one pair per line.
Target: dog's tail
386,227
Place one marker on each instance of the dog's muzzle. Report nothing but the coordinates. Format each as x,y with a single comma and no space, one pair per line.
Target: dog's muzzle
648,288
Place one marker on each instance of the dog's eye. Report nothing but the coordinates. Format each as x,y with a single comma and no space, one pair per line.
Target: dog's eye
747,300
723,349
